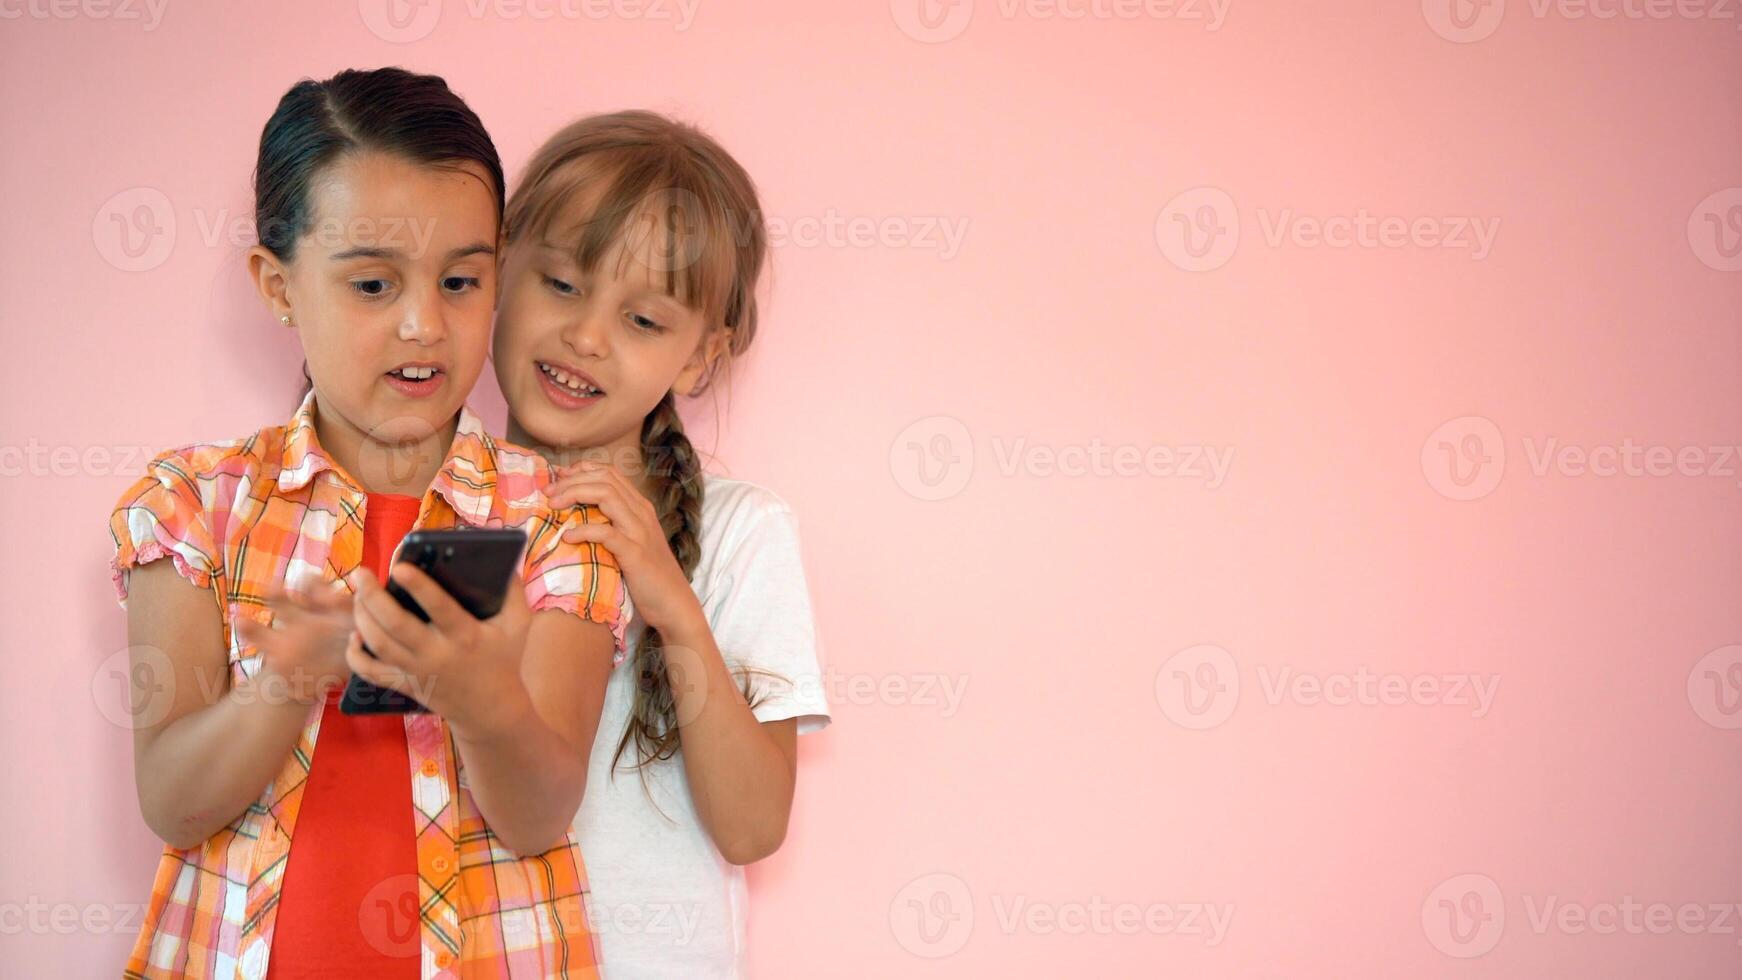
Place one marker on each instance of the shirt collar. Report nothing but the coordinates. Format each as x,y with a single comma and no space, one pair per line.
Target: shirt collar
467,479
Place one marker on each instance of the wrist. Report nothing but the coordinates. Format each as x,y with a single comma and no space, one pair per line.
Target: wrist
686,617
296,686
504,717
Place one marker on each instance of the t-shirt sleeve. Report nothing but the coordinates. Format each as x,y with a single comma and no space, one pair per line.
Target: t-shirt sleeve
581,579
760,610
162,516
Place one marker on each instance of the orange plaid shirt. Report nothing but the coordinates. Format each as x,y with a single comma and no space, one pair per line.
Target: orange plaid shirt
238,517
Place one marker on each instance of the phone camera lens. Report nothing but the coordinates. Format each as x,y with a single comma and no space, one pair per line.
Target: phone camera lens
450,553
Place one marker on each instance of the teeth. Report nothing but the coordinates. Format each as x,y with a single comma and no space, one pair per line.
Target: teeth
563,378
416,373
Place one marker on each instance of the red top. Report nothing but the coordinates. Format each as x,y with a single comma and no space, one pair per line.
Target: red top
349,905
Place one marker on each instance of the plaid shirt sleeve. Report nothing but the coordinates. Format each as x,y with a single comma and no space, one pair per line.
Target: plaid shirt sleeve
159,516
582,579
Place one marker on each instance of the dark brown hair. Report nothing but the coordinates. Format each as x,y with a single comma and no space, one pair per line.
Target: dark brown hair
416,117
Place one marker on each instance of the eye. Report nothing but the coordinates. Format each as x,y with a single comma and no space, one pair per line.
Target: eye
559,286
370,287
459,284
644,323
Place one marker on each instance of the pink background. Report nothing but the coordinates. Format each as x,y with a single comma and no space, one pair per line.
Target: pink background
1086,763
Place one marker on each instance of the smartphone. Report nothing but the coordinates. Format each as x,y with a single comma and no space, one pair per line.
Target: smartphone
473,565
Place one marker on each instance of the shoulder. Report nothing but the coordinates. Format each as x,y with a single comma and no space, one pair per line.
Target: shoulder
728,501
211,472
740,517
520,475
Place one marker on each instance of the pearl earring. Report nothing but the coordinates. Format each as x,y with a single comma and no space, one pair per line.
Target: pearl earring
285,319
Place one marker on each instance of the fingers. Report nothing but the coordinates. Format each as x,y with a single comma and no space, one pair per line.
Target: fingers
383,622
445,612
592,483
607,535
377,672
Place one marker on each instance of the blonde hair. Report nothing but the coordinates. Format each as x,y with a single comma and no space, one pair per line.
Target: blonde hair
633,174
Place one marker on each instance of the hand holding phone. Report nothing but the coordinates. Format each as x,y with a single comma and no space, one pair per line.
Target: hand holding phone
474,566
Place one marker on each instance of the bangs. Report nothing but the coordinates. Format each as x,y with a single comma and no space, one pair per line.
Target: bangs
651,213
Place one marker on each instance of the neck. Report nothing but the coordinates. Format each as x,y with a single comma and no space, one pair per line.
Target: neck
406,467
622,454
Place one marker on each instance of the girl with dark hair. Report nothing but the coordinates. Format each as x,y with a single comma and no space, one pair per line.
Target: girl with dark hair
303,841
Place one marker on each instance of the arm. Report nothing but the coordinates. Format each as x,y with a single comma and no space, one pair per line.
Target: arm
521,692
741,771
529,773
218,746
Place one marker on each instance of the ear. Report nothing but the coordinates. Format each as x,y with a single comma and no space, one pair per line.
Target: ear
272,280
710,350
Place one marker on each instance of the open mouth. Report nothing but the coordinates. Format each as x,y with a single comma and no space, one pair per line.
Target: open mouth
567,388
416,380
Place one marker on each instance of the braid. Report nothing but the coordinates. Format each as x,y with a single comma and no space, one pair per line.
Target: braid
676,478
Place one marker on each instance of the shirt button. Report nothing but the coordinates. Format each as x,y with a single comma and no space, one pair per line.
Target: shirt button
429,767
444,959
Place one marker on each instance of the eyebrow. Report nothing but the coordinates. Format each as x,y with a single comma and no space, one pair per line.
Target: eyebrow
652,292
365,252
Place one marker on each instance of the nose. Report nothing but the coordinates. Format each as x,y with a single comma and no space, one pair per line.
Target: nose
589,333
425,320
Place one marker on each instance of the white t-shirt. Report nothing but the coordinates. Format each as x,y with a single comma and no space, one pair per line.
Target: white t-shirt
664,902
